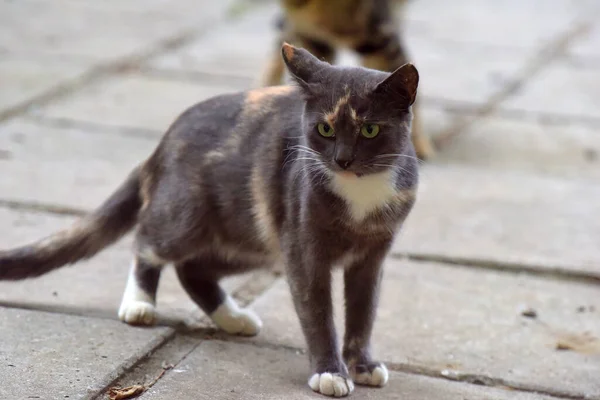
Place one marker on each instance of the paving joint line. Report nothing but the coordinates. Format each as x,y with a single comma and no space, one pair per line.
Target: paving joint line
123,64
128,365
98,72
210,333
196,76
481,380
554,272
541,59
246,293
93,127
548,118
257,284
446,105
146,363
60,309
455,376
551,272
112,67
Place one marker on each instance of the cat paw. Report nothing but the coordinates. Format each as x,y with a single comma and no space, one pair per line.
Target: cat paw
136,312
243,322
236,321
331,384
372,374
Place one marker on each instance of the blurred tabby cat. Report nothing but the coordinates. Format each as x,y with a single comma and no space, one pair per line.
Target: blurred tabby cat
368,27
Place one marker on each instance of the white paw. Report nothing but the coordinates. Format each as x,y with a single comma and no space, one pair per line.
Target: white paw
331,384
236,321
242,322
136,312
378,376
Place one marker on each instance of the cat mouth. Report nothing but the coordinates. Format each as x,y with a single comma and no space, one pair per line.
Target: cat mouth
350,174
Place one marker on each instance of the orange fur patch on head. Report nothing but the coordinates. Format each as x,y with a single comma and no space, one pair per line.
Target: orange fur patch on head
288,50
259,96
353,114
331,116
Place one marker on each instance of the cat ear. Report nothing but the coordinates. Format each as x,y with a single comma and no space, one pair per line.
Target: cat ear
402,84
301,64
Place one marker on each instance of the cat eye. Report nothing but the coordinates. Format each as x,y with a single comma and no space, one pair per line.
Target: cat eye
369,130
325,130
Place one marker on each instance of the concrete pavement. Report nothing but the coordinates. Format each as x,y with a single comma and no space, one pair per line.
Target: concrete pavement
491,292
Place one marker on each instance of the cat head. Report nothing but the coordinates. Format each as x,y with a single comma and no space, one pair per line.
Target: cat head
358,120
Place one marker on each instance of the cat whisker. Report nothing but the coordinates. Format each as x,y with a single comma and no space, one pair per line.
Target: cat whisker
302,152
385,165
316,170
310,169
394,167
300,149
309,158
392,155
395,155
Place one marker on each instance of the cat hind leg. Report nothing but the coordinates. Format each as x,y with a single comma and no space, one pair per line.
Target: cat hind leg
139,299
205,291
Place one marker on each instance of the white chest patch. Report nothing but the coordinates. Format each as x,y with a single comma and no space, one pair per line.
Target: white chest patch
365,194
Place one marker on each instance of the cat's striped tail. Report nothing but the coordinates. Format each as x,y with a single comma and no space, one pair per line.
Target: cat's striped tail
114,218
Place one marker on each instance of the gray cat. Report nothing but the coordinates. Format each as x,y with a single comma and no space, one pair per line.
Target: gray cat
318,174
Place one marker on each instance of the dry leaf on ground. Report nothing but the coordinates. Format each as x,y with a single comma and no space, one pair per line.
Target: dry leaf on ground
125,393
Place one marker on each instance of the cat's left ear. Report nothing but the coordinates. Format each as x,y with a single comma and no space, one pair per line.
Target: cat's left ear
402,83
301,64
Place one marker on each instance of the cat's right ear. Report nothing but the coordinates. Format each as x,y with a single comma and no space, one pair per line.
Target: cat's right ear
301,64
401,85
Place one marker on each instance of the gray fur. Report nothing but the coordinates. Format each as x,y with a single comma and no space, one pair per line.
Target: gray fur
243,180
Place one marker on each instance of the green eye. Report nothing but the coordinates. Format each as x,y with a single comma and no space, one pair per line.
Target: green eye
325,130
369,130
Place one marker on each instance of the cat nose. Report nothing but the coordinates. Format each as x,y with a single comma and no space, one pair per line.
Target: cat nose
343,162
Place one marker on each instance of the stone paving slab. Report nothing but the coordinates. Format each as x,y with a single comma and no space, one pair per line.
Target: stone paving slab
203,10
134,101
52,356
559,90
24,77
505,216
515,24
455,320
564,150
68,167
460,73
239,48
220,370
98,32
91,287
587,48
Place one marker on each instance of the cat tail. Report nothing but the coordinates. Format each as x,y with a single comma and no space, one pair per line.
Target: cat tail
94,232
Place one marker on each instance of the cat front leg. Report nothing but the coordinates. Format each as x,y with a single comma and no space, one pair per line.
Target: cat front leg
310,285
362,282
